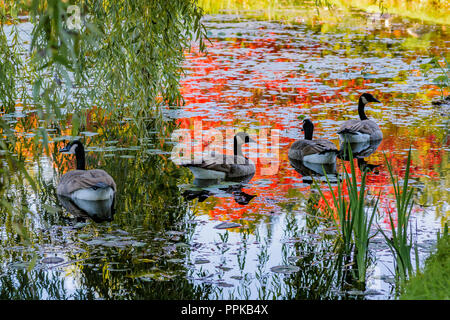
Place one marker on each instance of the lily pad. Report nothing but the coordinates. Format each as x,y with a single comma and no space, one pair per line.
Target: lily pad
285,269
201,261
138,244
228,225
19,265
52,260
225,285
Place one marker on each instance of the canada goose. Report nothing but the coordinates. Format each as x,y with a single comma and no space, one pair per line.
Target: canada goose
314,151
363,129
222,166
84,184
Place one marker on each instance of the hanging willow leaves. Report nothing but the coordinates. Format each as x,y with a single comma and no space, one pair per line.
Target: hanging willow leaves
122,57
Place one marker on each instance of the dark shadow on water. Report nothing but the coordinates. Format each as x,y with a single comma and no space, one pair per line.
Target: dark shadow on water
202,189
360,151
310,170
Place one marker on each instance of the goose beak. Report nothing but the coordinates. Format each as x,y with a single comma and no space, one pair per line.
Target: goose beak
376,100
65,149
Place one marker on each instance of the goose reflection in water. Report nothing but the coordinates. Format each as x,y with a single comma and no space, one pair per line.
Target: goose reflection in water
309,170
98,211
204,188
360,150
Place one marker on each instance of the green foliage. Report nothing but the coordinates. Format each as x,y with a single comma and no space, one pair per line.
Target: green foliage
433,282
118,68
125,57
443,80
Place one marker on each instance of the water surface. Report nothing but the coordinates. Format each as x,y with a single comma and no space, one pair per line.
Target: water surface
258,76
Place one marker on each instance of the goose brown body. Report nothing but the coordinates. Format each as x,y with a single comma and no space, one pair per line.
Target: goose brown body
312,150
83,179
232,166
92,185
368,127
301,148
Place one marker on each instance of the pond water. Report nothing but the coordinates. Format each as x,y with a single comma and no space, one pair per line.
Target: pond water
163,242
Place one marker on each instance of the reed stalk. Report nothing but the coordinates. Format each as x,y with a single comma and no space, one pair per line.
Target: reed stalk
354,220
400,242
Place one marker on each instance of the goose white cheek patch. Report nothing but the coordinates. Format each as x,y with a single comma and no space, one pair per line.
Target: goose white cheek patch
72,149
364,100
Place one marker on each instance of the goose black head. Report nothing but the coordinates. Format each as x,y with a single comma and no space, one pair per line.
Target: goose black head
72,147
308,129
75,147
364,99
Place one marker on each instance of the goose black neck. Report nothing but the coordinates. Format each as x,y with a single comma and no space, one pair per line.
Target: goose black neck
362,114
308,132
237,148
79,155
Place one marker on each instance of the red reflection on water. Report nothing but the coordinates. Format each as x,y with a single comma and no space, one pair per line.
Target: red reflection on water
227,89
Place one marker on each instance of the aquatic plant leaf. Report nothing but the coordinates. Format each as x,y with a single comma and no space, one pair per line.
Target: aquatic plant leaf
52,260
285,269
227,225
201,261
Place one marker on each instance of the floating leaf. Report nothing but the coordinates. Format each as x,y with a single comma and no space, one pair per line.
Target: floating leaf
201,261
285,269
79,225
51,209
224,284
294,259
52,260
228,225
138,244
